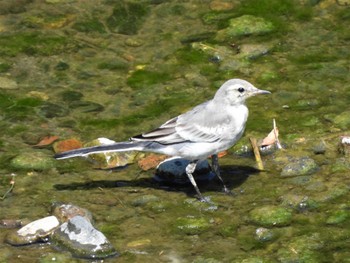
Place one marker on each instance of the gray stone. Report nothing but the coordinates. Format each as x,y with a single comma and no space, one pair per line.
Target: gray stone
80,238
299,166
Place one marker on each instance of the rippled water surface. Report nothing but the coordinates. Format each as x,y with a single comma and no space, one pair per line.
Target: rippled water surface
111,68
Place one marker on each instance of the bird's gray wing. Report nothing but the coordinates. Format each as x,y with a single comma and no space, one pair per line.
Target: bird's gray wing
165,134
204,123
201,124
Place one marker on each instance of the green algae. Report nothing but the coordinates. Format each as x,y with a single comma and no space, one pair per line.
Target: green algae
113,65
4,67
127,17
33,43
18,109
92,25
191,55
191,226
140,79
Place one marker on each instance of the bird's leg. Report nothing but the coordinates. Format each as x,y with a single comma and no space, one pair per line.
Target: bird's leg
189,171
216,168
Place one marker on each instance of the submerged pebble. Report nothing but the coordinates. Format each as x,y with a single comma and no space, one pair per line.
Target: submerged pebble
192,225
33,161
145,199
264,234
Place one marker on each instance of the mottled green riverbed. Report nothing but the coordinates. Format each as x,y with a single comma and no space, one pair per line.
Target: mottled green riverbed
112,68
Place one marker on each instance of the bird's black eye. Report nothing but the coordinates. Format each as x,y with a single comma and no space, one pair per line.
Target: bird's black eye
241,90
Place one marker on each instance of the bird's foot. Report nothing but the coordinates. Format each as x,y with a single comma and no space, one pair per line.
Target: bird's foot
228,191
204,199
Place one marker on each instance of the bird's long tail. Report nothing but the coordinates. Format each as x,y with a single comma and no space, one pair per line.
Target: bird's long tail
115,147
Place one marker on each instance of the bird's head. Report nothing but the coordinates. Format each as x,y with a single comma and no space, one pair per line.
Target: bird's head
236,91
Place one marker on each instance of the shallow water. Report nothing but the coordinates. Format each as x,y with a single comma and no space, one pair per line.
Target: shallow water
68,70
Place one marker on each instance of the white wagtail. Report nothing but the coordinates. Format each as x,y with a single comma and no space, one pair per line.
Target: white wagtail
205,130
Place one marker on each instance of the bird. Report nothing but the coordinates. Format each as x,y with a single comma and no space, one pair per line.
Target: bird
206,130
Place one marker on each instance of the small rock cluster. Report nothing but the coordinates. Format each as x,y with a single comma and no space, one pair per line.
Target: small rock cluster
69,228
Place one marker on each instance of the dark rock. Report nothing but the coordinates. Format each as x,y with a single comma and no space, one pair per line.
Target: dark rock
173,170
51,110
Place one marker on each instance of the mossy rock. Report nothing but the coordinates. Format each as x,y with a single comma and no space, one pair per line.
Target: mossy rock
33,44
33,161
191,225
271,216
299,167
245,25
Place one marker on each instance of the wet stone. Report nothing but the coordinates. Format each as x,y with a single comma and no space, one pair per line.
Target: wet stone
192,225
6,83
299,166
263,234
65,212
144,200
301,249
271,216
86,106
342,120
338,216
319,148
254,51
80,238
71,95
173,170
201,206
36,231
245,25
51,110
33,161
298,202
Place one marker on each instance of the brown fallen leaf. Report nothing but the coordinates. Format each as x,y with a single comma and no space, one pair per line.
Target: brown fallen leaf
66,145
151,161
270,138
46,141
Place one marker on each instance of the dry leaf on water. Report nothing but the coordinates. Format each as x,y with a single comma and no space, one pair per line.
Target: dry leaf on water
46,141
151,161
66,145
271,138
